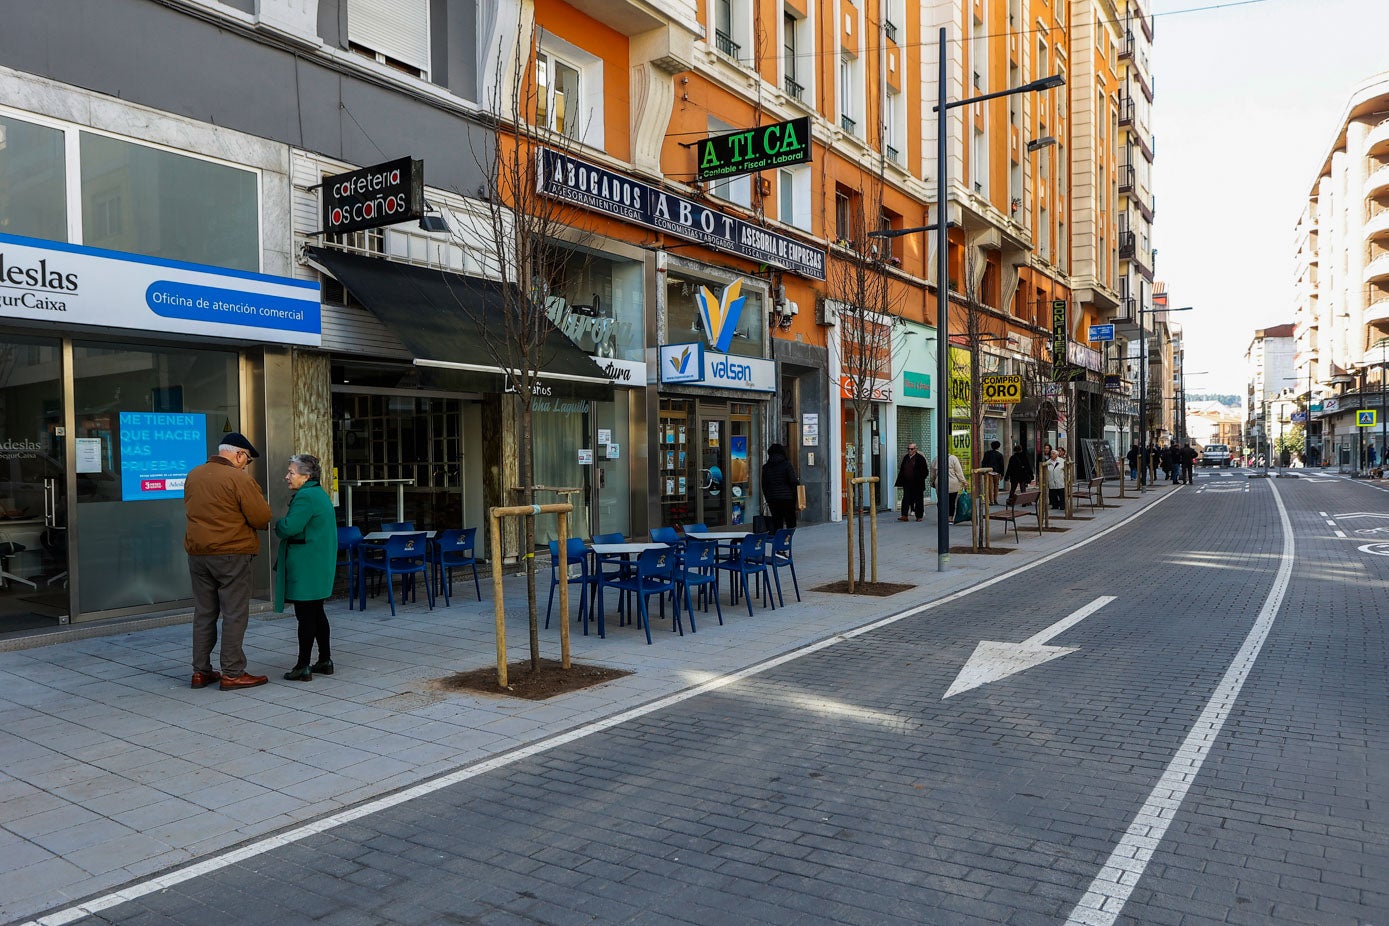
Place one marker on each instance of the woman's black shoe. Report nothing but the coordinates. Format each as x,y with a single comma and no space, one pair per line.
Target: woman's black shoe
322,667
299,674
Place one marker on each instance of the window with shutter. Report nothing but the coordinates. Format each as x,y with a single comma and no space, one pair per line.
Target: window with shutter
394,32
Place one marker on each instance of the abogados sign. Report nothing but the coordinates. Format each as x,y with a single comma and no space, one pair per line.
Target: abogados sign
373,196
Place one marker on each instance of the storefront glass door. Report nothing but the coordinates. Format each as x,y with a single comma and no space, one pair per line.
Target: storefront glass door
713,471
33,486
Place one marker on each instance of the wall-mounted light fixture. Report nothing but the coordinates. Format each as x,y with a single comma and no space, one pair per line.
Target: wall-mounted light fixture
1037,144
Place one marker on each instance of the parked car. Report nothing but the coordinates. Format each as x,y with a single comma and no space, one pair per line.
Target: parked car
1216,455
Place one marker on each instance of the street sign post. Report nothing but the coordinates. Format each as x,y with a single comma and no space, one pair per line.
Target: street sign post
1101,333
1366,418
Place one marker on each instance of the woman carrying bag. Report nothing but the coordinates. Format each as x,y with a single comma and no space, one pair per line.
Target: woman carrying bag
307,564
955,481
779,482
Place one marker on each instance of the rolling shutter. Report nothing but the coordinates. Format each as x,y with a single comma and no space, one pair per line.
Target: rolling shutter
398,29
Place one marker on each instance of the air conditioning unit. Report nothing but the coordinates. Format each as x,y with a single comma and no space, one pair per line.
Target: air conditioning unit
826,311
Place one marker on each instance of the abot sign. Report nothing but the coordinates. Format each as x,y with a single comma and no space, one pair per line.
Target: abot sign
1001,390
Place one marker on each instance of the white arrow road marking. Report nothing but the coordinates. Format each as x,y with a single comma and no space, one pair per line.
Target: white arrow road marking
991,661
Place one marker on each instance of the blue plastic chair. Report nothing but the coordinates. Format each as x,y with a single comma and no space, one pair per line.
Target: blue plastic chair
747,560
389,526
781,557
402,555
655,575
697,570
453,549
578,556
349,539
696,529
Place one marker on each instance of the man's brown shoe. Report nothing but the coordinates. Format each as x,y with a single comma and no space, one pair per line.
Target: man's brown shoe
244,680
203,679
903,518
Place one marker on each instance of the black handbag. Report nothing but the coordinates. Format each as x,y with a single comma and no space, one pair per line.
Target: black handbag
761,524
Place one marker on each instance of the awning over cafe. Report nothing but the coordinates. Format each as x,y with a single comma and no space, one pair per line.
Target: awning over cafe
444,318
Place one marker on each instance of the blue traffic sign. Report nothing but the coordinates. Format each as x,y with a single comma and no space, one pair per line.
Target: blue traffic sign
1101,332
1365,419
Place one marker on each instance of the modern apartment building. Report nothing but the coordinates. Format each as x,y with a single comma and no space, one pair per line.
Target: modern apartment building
1341,284
1269,362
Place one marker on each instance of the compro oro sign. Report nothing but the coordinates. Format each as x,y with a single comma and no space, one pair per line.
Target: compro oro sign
1001,389
62,283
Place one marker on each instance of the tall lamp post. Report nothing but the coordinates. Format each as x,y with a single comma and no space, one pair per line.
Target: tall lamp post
941,108
1143,382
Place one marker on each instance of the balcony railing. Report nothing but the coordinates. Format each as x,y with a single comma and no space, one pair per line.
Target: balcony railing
1126,175
848,124
893,154
794,90
725,44
890,28
1128,242
1125,110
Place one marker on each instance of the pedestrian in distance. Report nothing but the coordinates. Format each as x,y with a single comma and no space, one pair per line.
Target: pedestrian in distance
993,459
779,481
1132,457
1154,459
1165,460
1043,457
225,508
954,482
911,479
1189,456
1019,473
1056,480
307,564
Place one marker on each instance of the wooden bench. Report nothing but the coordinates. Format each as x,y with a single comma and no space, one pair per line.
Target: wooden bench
1021,502
1089,491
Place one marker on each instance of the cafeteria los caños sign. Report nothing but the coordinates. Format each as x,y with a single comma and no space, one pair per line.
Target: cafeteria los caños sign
588,186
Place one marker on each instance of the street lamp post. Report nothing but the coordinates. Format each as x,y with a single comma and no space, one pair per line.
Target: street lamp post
1143,383
942,107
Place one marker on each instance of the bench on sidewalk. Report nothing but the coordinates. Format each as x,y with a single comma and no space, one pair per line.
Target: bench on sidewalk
1016,509
1090,491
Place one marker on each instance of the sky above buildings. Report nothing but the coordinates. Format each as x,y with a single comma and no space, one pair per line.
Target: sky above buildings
1248,99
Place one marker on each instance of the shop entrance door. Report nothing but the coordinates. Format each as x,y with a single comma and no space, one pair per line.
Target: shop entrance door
34,586
713,472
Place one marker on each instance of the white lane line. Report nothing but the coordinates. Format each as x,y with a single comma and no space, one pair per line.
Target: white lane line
1331,522
1110,889
1340,533
270,843
1322,514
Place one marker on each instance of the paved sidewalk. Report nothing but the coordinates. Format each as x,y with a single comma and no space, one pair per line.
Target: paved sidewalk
112,768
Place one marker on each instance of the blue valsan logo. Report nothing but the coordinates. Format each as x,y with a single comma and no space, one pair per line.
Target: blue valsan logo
721,313
731,372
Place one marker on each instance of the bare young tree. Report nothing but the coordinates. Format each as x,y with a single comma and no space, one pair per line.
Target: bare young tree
858,281
533,243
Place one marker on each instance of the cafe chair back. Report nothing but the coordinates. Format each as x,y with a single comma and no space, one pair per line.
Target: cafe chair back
747,560
698,570
403,555
578,557
455,550
655,575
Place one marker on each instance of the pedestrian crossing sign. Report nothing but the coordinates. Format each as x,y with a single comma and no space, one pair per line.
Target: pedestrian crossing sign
1365,419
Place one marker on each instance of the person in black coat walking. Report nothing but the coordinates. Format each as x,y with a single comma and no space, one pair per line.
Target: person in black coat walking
911,479
779,481
1019,472
993,459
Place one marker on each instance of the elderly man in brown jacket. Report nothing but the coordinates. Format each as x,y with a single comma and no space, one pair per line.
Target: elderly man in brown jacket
225,508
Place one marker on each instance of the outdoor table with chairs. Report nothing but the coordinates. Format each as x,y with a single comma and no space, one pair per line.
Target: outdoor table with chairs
398,549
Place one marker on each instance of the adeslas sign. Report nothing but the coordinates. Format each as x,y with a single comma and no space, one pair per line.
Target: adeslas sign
373,196
750,150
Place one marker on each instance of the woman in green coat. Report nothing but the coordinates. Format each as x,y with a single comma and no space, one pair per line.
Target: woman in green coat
308,563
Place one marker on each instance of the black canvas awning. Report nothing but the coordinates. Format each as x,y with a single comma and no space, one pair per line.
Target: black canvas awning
443,318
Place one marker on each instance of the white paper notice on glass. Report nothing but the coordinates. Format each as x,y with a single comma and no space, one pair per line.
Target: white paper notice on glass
585,457
89,454
810,430
614,451
605,435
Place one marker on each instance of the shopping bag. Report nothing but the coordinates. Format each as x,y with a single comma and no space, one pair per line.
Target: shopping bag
964,507
800,498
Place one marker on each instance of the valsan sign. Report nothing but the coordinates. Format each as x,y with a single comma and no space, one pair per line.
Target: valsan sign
692,364
373,196
52,281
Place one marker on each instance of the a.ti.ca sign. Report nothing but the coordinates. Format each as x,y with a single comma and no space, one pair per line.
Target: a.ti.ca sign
1001,389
